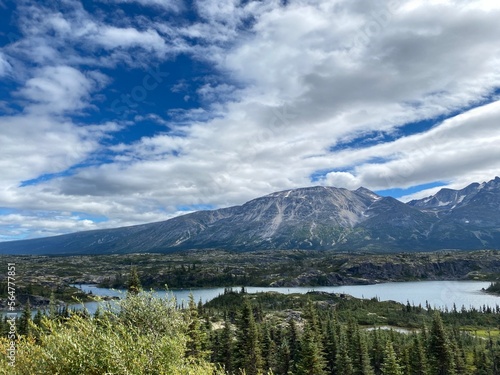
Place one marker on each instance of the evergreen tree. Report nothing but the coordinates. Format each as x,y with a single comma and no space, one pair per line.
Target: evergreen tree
24,322
482,363
310,314
390,366
405,360
134,283
311,360
458,350
3,327
418,358
52,306
343,362
195,335
284,362
365,367
440,349
331,343
377,351
248,352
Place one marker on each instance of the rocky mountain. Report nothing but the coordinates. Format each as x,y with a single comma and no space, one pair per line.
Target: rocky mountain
315,218
467,218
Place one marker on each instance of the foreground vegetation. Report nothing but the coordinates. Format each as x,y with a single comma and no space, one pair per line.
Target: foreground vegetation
264,333
146,335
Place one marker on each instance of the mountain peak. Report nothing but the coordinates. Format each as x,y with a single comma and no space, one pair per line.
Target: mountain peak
314,218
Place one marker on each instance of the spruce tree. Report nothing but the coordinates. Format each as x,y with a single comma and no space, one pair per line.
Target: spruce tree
365,367
248,352
284,362
24,321
134,283
458,351
440,349
390,366
331,343
419,364
195,335
311,360
482,363
52,306
343,362
377,351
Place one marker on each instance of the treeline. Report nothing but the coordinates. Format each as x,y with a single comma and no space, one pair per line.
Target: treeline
494,287
318,342
25,292
238,333
183,276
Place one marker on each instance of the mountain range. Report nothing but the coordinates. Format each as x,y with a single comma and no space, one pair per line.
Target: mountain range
315,218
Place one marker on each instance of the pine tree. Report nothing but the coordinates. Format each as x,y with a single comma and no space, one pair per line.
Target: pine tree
134,283
377,351
311,316
405,360
194,344
331,343
418,358
284,363
248,352
482,363
440,348
343,362
311,360
24,321
365,367
52,306
390,366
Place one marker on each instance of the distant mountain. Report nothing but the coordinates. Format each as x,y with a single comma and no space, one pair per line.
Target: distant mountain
315,218
467,218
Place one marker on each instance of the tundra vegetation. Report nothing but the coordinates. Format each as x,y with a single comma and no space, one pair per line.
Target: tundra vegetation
265,333
40,276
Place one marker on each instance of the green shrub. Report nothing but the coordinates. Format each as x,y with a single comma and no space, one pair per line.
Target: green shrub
145,335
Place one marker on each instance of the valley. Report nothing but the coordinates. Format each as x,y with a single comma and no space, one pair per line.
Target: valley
39,276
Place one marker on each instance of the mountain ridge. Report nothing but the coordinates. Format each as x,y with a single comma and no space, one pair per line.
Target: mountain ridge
313,218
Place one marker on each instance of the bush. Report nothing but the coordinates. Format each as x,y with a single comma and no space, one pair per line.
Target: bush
144,335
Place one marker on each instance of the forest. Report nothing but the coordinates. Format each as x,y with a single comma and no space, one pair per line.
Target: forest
265,333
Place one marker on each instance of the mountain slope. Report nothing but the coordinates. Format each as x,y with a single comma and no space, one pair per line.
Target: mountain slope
308,218
470,218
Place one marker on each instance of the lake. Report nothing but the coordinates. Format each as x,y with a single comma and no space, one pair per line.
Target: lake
439,294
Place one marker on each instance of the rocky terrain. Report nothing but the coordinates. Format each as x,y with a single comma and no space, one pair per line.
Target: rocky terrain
314,218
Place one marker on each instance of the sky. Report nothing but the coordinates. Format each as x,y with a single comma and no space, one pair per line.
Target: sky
121,112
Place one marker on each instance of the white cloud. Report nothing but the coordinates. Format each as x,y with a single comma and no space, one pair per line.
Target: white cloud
169,5
5,67
310,76
114,37
58,89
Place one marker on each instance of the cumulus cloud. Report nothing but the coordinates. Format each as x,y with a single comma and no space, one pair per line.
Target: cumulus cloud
298,85
114,37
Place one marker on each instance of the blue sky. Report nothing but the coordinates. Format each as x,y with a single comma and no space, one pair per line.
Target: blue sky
120,112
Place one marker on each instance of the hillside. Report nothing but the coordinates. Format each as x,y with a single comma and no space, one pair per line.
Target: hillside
315,218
